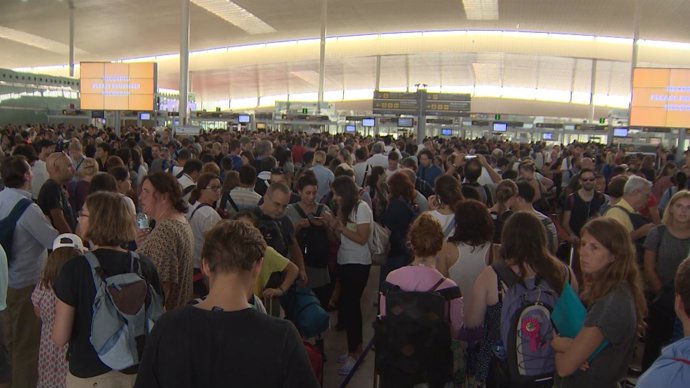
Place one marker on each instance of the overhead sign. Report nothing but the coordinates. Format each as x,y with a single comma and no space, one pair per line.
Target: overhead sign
660,98
447,104
117,86
396,103
432,104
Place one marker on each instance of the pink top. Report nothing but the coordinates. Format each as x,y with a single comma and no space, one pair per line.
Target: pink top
423,278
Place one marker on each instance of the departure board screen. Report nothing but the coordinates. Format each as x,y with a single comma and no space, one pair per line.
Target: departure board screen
660,98
117,86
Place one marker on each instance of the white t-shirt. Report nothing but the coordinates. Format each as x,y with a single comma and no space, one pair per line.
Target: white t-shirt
204,219
350,252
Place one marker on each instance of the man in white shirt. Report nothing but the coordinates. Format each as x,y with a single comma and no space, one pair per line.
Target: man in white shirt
361,168
190,173
393,164
378,158
39,169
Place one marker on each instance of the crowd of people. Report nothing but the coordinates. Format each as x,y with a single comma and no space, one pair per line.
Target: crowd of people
232,221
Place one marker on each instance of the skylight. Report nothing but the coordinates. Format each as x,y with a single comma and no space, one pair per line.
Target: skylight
481,9
36,41
235,15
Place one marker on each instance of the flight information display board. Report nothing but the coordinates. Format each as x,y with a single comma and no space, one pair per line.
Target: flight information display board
447,104
117,86
660,98
432,104
395,103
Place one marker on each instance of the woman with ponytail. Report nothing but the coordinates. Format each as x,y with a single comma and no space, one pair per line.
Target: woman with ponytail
202,217
170,243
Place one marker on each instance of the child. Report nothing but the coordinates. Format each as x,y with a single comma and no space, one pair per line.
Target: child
52,360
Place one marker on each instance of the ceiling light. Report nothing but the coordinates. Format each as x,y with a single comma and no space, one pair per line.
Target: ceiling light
235,15
481,9
36,41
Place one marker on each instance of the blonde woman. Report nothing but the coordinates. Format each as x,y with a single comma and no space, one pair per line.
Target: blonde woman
666,246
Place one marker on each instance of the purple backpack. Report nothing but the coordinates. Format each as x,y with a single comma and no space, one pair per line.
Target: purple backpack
525,351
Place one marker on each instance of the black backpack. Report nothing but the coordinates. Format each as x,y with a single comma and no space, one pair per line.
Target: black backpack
8,224
272,231
313,240
412,340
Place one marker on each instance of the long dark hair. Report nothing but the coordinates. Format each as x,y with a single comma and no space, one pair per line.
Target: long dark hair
201,184
448,190
345,187
523,243
164,183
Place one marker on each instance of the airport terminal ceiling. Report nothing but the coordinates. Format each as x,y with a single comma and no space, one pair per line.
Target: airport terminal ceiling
36,33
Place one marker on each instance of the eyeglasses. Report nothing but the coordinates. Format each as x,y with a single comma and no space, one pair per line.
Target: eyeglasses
587,179
214,188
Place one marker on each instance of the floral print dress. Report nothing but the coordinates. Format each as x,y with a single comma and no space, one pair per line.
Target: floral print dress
52,359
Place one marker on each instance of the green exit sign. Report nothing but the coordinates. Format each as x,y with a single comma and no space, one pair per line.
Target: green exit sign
497,116
305,111
602,120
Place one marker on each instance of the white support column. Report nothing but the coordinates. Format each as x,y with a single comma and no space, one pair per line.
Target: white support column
71,38
322,54
592,88
378,72
184,60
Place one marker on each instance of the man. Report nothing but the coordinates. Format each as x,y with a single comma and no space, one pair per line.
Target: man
635,196
40,169
672,368
263,150
278,176
162,159
33,235
419,184
276,227
473,170
76,153
298,149
243,196
581,206
183,156
52,197
234,149
323,175
428,171
272,351
419,199
5,364
570,165
377,157
393,164
188,176
523,202
102,153
361,168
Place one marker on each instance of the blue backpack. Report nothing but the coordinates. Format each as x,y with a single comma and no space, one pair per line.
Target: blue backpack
8,224
125,308
526,356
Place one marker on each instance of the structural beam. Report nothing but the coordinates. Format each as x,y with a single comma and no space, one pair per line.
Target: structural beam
184,60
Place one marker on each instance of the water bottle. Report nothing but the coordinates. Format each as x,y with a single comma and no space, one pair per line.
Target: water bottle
142,221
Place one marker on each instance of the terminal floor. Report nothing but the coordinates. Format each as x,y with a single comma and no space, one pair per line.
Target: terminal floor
336,343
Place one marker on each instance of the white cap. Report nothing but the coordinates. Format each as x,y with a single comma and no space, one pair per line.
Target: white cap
68,240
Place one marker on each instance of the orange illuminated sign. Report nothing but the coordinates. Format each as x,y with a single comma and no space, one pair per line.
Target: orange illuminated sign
117,86
660,98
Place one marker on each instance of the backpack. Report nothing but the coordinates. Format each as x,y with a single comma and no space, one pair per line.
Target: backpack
272,231
302,308
313,240
124,310
8,224
483,191
526,356
413,343
379,243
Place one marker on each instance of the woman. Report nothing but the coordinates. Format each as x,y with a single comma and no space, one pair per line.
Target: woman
138,166
469,250
613,295
525,251
426,241
231,180
664,180
124,184
170,243
666,245
312,235
647,168
398,217
448,194
247,158
78,191
352,225
506,191
202,216
108,225
378,190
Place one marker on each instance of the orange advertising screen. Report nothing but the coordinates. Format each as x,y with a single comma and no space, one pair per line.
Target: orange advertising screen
117,86
660,98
